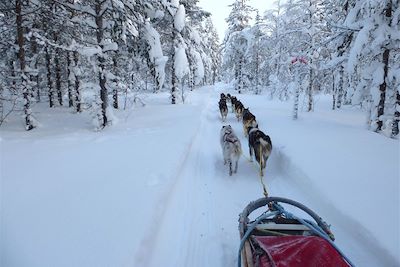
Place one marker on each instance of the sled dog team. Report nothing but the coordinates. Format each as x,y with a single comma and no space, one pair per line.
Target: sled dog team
260,145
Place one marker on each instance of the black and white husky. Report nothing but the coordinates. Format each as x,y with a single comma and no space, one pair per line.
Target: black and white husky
231,147
223,109
260,144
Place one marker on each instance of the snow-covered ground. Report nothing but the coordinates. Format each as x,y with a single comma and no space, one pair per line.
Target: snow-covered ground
153,191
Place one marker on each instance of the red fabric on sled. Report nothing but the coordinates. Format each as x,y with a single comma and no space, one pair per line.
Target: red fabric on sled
299,251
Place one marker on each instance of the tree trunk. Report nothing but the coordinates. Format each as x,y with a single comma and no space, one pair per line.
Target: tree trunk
333,93
29,124
297,94
396,119
191,79
101,63
115,98
214,74
340,88
383,85
35,78
49,80
77,84
257,67
58,77
296,101
174,81
240,75
13,77
310,90
115,89
382,89
69,83
311,82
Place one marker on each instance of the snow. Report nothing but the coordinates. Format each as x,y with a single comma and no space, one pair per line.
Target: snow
195,36
359,44
89,51
152,190
109,46
181,63
179,19
130,25
156,53
199,68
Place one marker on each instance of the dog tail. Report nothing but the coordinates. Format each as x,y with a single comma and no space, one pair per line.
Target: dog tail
266,143
238,148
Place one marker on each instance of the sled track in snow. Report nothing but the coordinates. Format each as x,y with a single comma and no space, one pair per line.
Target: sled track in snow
194,237
151,237
184,196
341,222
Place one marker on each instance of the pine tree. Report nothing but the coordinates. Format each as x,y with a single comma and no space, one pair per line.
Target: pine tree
371,55
235,43
211,47
25,86
99,15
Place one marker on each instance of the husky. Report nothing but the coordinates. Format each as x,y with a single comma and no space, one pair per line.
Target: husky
223,109
249,120
228,97
231,147
260,144
233,103
223,96
239,109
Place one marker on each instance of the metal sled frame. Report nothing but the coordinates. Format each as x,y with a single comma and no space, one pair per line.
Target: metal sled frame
276,221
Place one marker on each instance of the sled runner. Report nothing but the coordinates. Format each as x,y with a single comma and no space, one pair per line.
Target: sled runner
279,238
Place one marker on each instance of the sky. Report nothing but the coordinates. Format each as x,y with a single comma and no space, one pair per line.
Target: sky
220,11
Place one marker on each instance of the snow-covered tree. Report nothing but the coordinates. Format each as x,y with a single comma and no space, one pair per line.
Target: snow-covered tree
235,43
108,24
180,64
254,55
16,17
372,53
211,49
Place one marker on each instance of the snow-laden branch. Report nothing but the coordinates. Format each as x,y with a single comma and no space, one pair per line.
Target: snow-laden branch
82,9
342,27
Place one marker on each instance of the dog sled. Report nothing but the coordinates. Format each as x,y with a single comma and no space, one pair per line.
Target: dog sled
279,238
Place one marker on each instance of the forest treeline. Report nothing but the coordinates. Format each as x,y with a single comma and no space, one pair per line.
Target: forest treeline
97,54
87,54
347,48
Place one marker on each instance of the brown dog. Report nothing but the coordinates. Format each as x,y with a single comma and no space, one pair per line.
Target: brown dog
239,110
249,120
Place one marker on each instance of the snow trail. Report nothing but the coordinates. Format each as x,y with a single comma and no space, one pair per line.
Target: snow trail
209,201
163,197
186,200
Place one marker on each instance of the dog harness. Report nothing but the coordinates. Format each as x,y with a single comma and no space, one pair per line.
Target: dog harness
230,140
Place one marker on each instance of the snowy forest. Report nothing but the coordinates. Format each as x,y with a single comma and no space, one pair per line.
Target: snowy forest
120,121
87,55
96,56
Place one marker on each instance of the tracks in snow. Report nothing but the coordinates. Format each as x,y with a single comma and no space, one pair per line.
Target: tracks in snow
183,224
196,220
